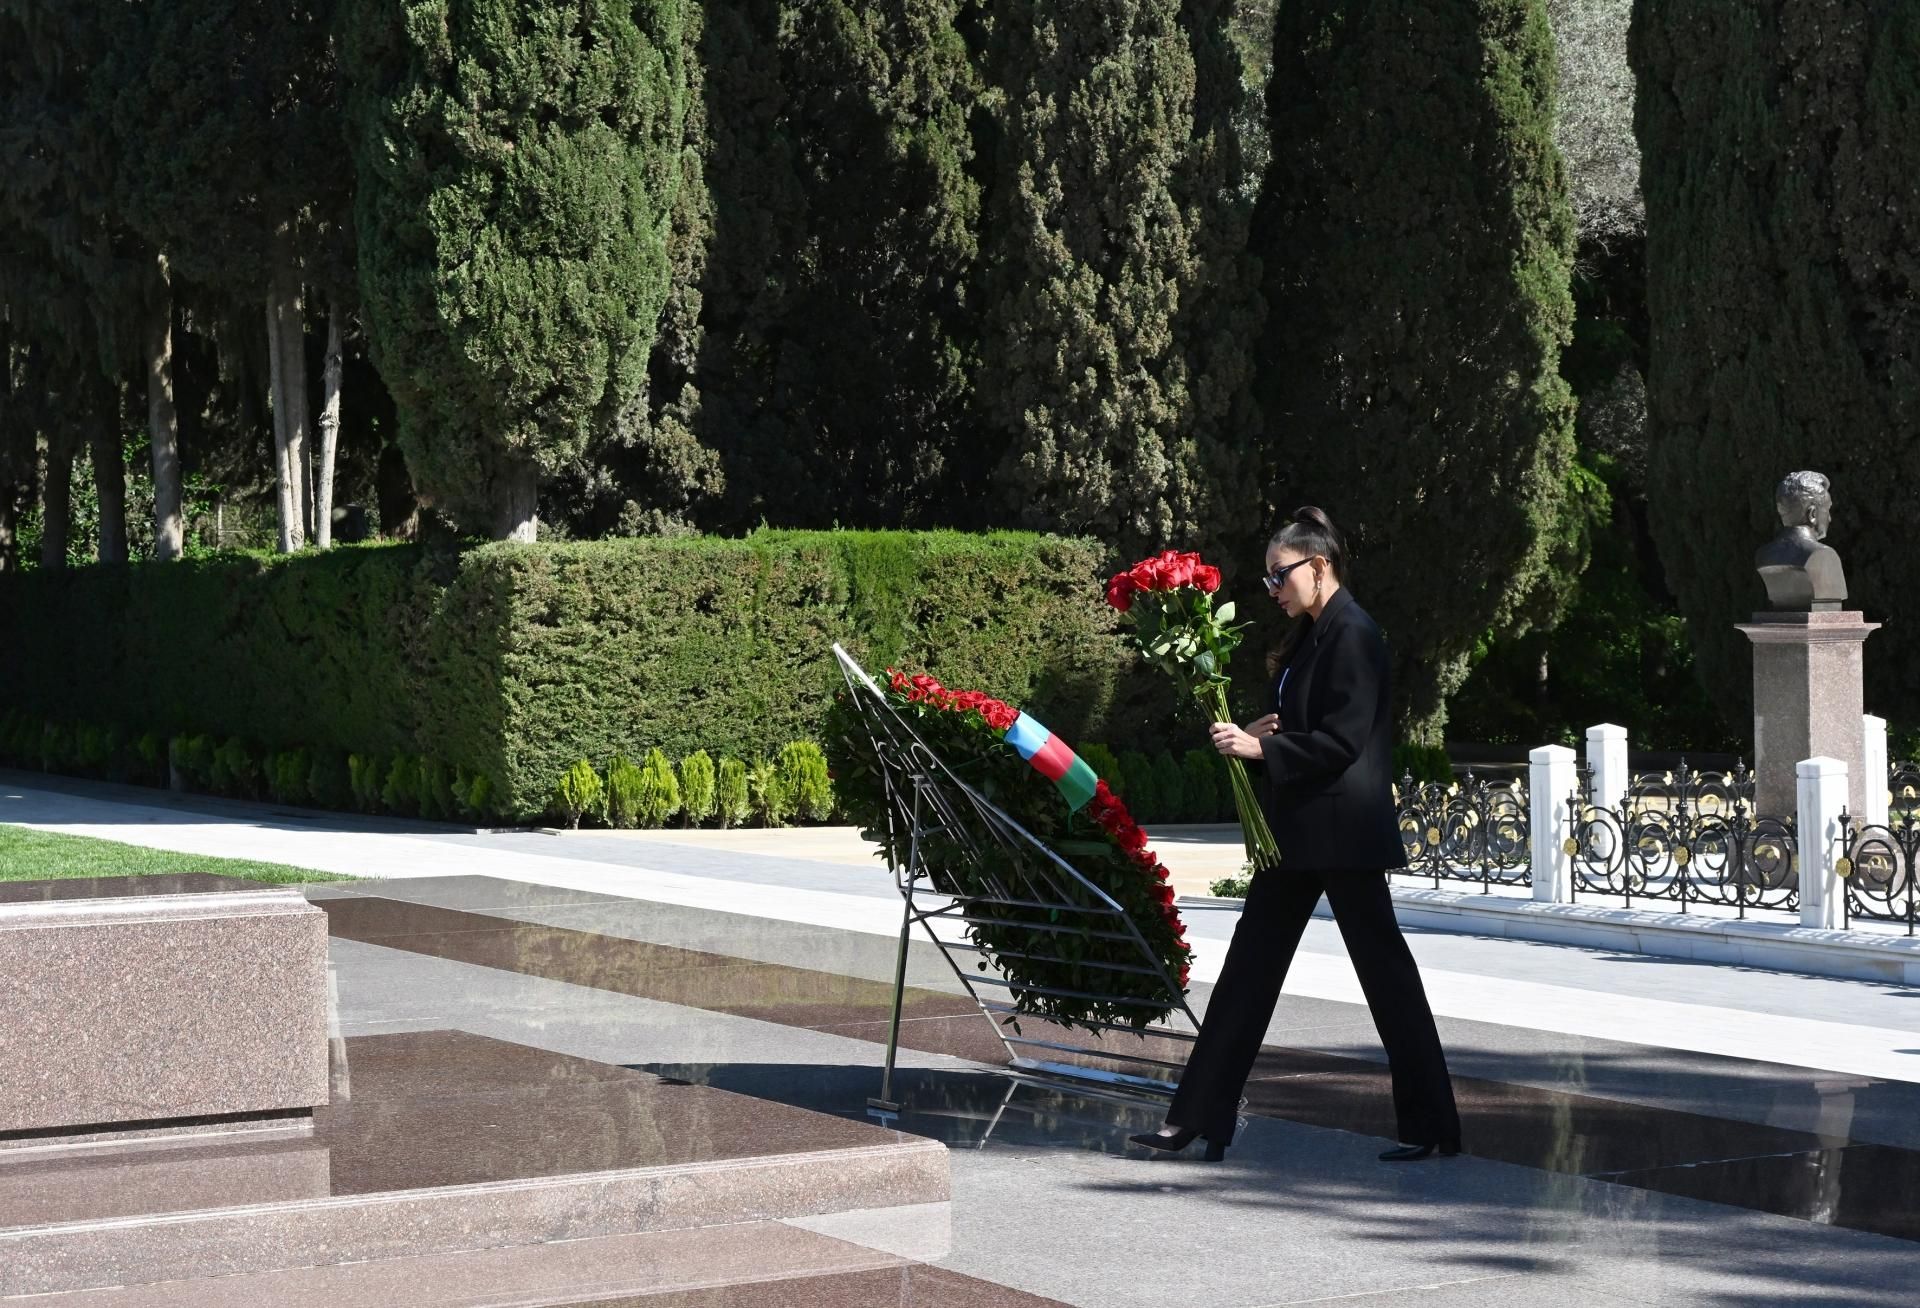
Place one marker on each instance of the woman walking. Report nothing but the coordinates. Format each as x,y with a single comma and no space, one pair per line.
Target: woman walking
1327,755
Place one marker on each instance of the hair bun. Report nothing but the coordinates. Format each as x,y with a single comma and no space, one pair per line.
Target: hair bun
1312,515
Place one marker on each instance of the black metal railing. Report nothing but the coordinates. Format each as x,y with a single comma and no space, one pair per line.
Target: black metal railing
1687,838
1877,866
1468,830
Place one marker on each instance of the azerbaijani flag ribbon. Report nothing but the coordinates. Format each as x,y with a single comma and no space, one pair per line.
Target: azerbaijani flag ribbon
1054,760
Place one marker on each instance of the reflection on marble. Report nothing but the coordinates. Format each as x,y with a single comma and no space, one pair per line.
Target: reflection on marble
1865,1187
451,1141
142,887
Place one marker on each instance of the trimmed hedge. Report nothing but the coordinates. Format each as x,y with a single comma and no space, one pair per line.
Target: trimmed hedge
503,664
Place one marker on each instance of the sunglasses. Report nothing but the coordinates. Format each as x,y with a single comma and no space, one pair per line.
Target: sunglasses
1278,577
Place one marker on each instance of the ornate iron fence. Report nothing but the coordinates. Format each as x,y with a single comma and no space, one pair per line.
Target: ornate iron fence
1468,830
1684,837
1877,865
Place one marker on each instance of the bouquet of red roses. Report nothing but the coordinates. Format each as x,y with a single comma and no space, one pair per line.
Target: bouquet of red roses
1169,599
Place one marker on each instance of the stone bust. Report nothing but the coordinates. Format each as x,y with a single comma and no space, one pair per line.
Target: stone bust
1801,574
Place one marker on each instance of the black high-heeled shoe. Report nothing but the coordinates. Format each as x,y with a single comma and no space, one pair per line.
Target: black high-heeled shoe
1177,1141
1418,1152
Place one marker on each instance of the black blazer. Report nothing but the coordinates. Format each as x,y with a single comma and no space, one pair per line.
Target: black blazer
1329,769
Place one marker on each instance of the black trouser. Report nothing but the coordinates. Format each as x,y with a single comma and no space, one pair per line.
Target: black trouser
1278,906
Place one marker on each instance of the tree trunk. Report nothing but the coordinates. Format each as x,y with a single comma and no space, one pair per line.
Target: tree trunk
329,431
9,523
393,488
56,501
516,514
287,376
163,426
110,474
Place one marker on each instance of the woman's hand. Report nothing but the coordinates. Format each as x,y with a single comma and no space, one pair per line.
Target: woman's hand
1244,742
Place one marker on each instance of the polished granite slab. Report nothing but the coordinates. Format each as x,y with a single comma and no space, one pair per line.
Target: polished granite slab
157,1003
756,1264
444,1141
1687,1153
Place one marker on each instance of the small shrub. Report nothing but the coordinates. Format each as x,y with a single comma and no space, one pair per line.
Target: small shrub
287,775
803,778
732,797
148,753
770,792
1235,887
1424,762
1104,765
236,769
578,792
92,748
1170,784
363,778
1208,789
401,793
623,793
1140,792
696,787
479,795
434,787
329,784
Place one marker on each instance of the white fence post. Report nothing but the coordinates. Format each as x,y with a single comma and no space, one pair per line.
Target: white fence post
1823,796
1607,760
1874,785
1550,784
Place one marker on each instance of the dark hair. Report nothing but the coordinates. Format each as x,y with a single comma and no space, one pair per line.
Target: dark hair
1309,531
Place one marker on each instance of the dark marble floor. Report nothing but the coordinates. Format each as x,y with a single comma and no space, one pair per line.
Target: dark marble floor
1825,1178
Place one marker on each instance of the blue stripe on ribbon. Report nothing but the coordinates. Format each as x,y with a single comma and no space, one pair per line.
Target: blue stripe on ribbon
1027,736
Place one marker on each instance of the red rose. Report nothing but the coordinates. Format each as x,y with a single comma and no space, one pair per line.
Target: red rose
1000,717
1120,591
1164,893
1207,578
1130,837
1176,569
1145,575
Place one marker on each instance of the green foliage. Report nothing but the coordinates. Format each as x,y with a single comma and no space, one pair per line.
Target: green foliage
367,778
732,799
329,779
474,794
771,793
1780,148
803,776
435,785
623,793
697,797
517,165
1417,244
1422,763
287,774
1104,764
1170,785
1121,314
401,791
1206,784
1141,787
512,661
659,795
1235,887
235,768
578,792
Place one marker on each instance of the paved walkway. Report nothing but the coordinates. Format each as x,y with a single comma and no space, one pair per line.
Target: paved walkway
819,877
1610,1097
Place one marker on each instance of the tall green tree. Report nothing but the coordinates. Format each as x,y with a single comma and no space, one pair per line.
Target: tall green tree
65,229
229,156
517,164
1120,311
1418,244
1781,149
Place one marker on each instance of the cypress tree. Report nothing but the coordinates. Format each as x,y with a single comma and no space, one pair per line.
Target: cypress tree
1418,243
1114,368
836,326
1781,165
517,165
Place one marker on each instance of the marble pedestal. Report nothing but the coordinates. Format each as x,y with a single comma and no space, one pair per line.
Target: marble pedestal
1807,703
132,1006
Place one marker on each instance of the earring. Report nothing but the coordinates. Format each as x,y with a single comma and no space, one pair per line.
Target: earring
1318,580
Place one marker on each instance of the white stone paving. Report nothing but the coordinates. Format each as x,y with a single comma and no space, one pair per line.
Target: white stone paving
1884,1042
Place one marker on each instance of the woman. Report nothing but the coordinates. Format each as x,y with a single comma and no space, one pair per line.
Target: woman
1327,755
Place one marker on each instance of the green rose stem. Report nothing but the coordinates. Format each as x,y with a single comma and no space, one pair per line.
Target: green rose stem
1262,852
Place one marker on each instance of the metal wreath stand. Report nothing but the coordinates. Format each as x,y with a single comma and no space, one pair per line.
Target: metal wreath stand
1004,866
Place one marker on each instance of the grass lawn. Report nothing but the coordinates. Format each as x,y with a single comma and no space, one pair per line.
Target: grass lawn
28,855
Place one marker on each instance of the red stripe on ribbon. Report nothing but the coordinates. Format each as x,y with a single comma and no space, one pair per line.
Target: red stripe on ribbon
1052,759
